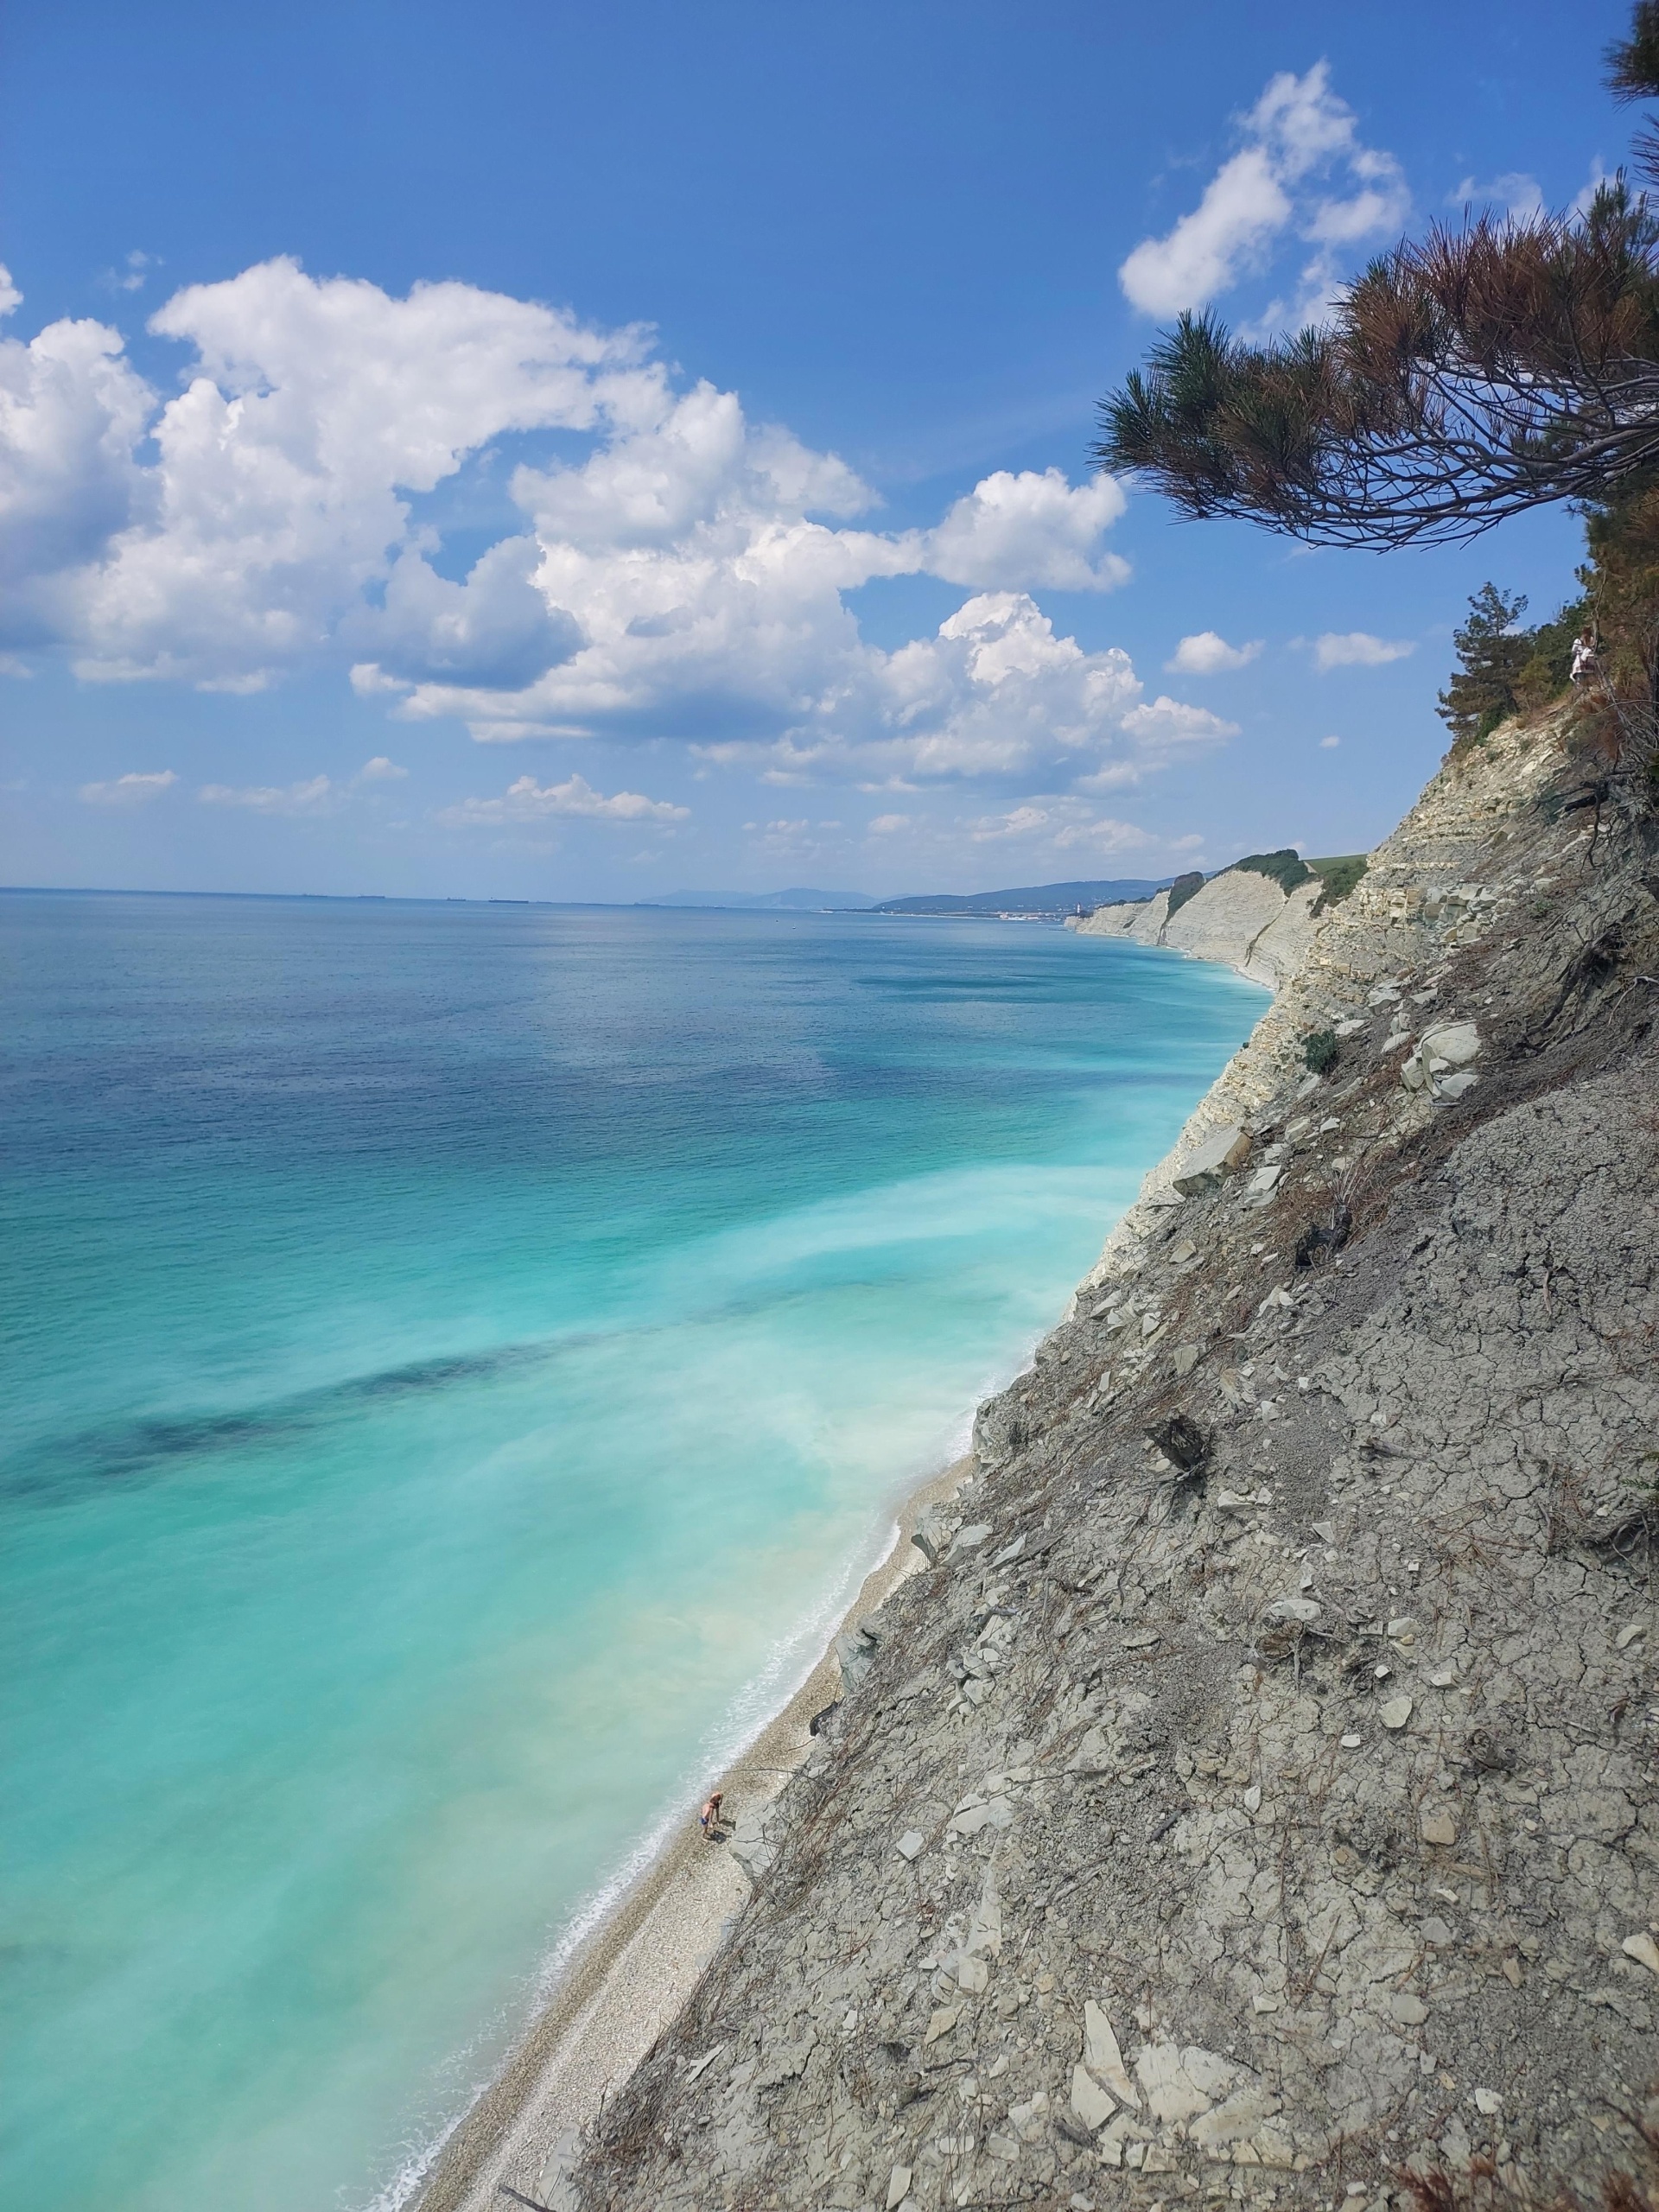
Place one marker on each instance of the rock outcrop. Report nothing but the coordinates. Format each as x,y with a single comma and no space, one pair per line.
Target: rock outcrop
1251,1798
1240,917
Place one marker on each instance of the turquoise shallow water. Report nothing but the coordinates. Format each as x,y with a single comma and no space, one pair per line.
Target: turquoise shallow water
457,1362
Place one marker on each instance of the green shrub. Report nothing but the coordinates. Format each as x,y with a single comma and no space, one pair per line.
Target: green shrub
1339,876
1183,888
1285,868
1321,1051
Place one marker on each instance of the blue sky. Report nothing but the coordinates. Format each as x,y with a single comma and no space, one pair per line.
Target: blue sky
558,452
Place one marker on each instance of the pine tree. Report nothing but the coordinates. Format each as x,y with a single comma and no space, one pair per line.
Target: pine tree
1491,653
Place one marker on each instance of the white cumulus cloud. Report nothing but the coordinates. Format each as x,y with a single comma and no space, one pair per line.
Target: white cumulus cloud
528,801
1521,197
1064,824
133,789
1329,744
1358,649
1208,653
995,692
677,572
380,770
1167,721
1029,531
1302,173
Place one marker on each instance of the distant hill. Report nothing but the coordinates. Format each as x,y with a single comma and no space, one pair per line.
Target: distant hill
764,901
1030,898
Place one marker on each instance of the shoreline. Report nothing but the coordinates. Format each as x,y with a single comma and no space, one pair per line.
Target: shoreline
630,1975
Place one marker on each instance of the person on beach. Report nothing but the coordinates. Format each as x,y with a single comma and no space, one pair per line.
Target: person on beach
709,1816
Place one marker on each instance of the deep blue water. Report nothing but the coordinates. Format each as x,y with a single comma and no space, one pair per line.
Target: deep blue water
457,1359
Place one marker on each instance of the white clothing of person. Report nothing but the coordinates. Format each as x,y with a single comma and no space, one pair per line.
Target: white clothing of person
1584,659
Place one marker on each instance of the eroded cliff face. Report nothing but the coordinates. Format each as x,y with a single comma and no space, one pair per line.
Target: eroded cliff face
1239,918
1253,1799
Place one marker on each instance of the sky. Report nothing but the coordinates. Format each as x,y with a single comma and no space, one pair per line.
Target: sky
558,452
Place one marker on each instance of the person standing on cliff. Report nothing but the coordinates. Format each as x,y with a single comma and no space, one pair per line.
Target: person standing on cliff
1584,668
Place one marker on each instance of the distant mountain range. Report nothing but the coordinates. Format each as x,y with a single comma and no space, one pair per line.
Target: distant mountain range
1043,898
764,902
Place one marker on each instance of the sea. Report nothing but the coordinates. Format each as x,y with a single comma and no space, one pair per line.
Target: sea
459,1360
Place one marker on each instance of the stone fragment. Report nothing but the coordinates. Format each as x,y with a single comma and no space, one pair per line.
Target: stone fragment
1296,1609
909,1844
1641,1947
855,1649
1185,1360
1028,2118
1228,1501
1409,2010
993,1812
897,2187
1455,1042
1488,2101
1435,1930
941,2021
1396,1712
971,1538
1402,1624
1187,1250
1253,1798
1216,1156
929,1535
1264,1180
1092,2104
1001,2146
1092,1756
1273,2149
1454,1085
1169,2089
1438,1828
1104,2057
1443,1677
973,1976
1241,2115
1351,1742
1627,1635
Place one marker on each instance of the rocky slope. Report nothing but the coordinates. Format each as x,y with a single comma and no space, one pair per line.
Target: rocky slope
1251,1801
1239,918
